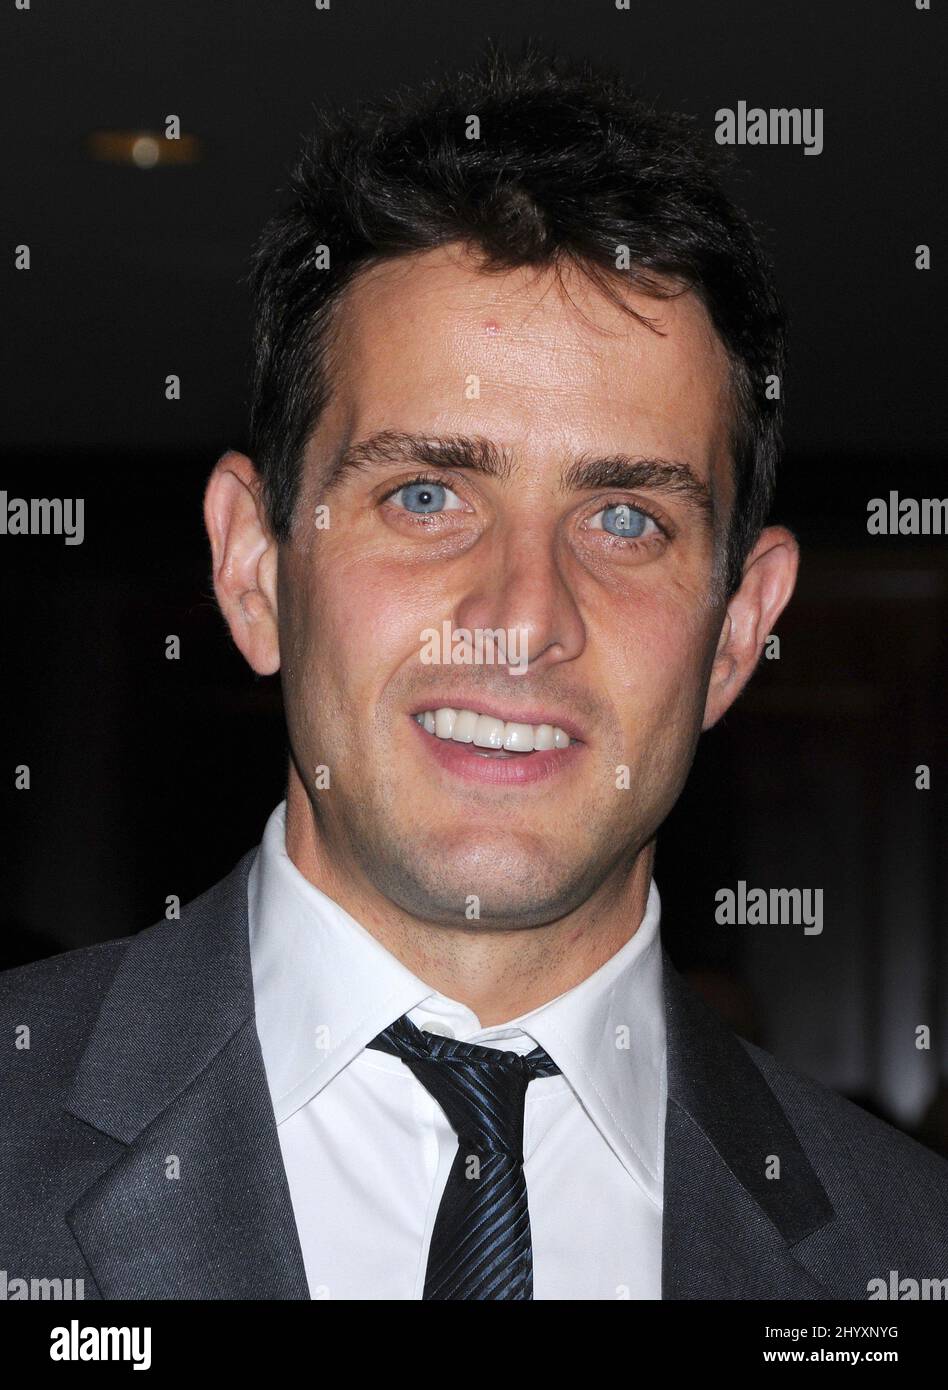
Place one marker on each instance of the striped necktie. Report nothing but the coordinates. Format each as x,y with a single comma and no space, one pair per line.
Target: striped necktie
480,1246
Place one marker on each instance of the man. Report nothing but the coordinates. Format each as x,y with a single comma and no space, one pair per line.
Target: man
502,533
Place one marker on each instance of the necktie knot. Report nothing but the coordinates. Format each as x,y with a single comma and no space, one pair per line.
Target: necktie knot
482,1090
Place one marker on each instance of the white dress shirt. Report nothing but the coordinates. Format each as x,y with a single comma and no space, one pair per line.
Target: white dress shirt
367,1150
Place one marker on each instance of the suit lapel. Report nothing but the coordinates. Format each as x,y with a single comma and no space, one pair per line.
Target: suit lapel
729,1230
175,1135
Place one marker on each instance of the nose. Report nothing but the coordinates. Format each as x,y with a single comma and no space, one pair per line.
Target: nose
519,586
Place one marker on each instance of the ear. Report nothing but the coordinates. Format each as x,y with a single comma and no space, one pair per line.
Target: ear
770,573
244,560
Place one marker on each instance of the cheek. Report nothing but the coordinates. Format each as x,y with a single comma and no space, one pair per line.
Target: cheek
657,672
360,621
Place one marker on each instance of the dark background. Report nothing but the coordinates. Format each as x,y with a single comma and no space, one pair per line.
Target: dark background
151,777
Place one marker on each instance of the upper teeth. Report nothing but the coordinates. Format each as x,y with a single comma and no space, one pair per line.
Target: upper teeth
484,731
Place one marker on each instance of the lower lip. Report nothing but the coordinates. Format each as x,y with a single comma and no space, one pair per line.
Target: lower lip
519,770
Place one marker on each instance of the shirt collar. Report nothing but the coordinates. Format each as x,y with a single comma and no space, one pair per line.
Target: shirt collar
324,987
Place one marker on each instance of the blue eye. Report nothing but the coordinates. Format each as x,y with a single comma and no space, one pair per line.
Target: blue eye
426,499
624,520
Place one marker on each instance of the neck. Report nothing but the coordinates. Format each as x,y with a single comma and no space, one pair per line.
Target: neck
498,972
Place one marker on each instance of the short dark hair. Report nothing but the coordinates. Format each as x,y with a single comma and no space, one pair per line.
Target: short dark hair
570,166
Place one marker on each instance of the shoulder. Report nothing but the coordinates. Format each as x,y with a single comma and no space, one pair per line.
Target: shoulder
863,1162
48,1007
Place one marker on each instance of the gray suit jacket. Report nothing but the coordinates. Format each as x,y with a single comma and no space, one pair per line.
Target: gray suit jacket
146,1047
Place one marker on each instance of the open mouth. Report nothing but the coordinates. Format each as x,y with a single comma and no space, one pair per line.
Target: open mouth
497,738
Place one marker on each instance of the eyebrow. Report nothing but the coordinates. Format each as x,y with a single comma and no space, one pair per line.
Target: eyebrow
477,454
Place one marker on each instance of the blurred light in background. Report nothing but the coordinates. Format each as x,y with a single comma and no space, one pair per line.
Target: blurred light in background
142,149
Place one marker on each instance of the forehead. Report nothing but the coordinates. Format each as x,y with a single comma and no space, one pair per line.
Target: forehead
537,361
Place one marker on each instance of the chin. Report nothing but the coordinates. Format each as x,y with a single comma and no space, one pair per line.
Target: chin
481,887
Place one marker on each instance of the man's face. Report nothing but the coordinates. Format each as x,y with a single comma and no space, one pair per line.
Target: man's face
607,577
